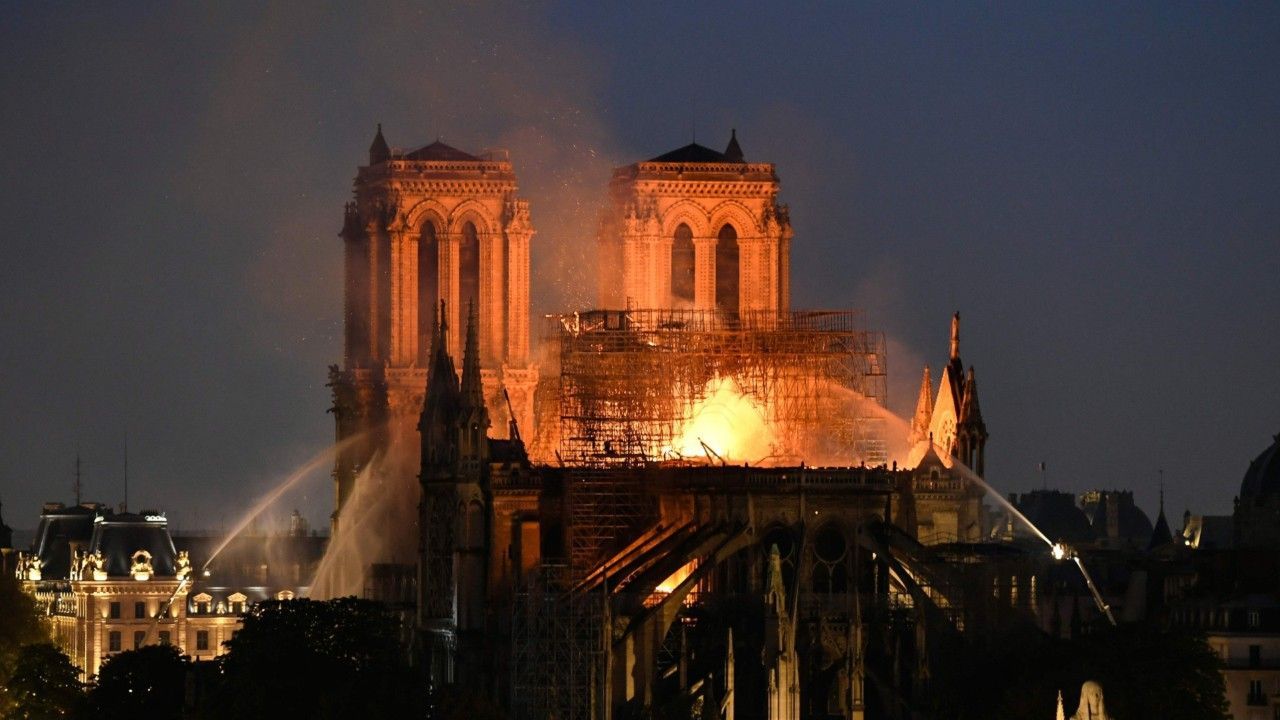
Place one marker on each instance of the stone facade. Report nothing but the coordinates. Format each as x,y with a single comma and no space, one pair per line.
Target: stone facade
695,228
429,229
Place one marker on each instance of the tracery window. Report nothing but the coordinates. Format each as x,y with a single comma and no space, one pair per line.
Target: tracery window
727,270
683,261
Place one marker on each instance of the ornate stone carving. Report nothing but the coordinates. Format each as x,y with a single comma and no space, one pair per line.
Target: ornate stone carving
140,567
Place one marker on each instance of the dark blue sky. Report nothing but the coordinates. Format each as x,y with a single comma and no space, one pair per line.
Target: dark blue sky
1094,187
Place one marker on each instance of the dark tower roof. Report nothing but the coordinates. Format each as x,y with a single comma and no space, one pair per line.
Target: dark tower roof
59,528
695,153
379,151
733,152
691,153
1262,479
121,535
439,151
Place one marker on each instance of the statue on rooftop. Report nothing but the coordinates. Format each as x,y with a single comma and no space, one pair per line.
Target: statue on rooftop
184,564
1091,705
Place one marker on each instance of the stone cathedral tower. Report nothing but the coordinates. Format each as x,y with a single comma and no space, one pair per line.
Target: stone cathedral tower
696,229
428,226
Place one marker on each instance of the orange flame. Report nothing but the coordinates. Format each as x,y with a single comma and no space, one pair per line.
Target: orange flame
729,422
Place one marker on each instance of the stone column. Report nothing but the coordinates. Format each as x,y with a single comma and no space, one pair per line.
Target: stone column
492,310
752,290
704,275
518,295
404,298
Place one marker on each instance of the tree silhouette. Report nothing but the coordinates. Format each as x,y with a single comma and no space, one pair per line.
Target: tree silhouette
148,682
43,684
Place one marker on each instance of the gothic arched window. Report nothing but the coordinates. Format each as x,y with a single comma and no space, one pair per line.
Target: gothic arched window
682,266
428,288
727,270
468,270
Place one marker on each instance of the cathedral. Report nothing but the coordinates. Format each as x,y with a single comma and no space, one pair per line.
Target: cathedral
622,569
431,228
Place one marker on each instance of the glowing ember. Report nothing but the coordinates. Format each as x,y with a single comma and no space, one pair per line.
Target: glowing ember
729,422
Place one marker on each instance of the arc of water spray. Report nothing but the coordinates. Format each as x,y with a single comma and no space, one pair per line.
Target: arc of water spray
1058,550
263,503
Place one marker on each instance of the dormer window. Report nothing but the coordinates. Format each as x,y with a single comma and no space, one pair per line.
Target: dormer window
237,602
203,602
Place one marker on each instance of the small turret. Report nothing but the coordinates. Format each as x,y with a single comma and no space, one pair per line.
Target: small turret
924,412
379,151
733,152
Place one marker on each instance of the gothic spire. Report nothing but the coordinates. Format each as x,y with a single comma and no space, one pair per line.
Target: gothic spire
924,411
472,386
378,150
1161,534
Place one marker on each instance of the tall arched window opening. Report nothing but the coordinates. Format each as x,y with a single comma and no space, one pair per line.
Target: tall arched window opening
682,265
468,271
428,289
727,270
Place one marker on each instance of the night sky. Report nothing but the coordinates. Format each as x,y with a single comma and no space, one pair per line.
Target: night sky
1093,186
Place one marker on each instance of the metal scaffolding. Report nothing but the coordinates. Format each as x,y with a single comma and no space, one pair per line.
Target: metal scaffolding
629,381
557,649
